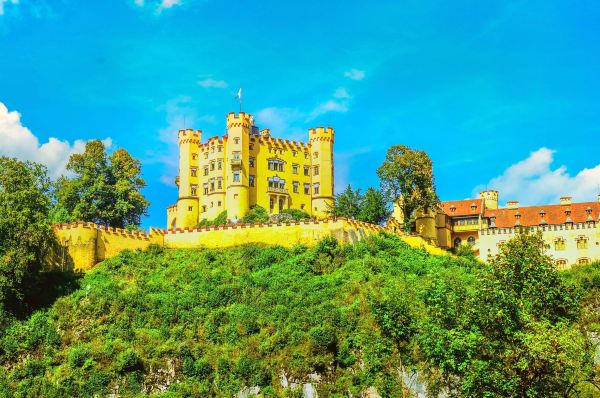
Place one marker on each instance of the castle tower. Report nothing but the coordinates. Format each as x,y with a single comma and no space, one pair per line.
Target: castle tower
237,164
490,199
187,203
321,147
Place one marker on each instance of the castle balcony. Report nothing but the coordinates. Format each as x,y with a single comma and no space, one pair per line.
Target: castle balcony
283,191
235,163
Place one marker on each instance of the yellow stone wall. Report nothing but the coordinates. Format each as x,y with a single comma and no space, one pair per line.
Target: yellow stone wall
87,244
232,173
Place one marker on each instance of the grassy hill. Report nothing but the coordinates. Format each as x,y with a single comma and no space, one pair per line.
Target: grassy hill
211,322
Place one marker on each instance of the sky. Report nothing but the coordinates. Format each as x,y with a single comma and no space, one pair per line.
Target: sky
501,94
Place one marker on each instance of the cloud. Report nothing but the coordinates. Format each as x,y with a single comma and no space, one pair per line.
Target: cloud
18,141
3,2
159,6
342,93
212,83
326,107
355,74
534,181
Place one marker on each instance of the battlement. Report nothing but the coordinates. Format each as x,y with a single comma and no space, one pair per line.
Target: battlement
321,134
189,136
239,120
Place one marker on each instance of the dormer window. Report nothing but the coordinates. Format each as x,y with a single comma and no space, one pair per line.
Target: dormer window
452,208
473,207
568,216
517,219
542,219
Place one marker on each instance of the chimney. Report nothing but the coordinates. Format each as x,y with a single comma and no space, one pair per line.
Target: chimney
565,200
512,204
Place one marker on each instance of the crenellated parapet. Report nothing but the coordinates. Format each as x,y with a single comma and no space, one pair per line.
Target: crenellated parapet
321,134
239,120
189,136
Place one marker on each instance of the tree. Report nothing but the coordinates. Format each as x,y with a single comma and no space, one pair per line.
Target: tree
347,204
374,207
406,177
25,231
105,189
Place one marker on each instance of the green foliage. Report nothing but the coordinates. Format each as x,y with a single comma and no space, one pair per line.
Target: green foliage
406,177
26,236
296,214
106,189
256,214
358,315
220,219
371,207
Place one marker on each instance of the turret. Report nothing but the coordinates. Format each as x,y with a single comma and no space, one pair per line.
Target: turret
321,154
237,156
490,199
187,203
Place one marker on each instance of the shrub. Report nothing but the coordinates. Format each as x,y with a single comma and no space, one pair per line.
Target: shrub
256,214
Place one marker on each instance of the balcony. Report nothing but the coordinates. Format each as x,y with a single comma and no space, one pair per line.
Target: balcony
283,191
235,163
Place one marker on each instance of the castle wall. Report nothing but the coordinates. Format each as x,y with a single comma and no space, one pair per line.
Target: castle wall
88,244
490,240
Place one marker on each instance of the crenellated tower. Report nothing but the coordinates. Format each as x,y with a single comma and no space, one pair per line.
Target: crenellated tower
237,155
321,148
187,203
490,199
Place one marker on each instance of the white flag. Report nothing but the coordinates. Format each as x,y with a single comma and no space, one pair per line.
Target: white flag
239,94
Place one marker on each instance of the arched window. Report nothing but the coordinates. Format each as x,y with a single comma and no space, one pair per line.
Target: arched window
471,240
583,261
561,264
457,242
559,244
582,242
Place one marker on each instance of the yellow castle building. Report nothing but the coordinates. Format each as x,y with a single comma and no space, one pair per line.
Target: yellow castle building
248,167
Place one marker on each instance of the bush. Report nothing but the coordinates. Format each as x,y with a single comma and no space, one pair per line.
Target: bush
296,214
256,214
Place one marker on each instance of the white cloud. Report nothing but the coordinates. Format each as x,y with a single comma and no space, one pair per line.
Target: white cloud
534,181
326,107
3,2
169,3
355,74
158,5
212,83
18,141
342,93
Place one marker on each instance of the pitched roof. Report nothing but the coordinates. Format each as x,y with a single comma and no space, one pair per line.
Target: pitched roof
553,214
459,208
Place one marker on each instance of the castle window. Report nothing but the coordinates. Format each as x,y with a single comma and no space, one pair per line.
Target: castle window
561,264
306,170
583,261
194,156
206,155
296,185
251,180
190,208
473,206
295,168
212,204
294,153
316,155
212,185
316,171
205,170
212,165
236,155
307,189
193,190
271,203
302,206
251,146
205,189
305,155
582,242
471,240
219,203
203,208
316,189
219,164
281,201
236,140
220,148
219,183
194,171
251,160
236,176
457,242
275,165
559,244
452,208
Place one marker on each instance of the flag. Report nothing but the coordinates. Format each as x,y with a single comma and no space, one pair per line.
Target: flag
239,94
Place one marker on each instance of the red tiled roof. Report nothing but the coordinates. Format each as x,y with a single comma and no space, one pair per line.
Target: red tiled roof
554,214
458,208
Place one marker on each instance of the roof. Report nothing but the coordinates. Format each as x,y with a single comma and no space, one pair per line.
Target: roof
553,214
459,208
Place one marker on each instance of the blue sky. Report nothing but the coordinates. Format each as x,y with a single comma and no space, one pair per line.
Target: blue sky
499,94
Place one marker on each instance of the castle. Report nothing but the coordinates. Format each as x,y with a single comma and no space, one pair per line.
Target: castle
247,167
571,229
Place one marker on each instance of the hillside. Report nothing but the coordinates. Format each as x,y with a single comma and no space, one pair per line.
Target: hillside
212,322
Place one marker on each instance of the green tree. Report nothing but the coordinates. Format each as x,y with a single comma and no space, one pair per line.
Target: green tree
105,189
26,235
374,207
347,204
406,177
